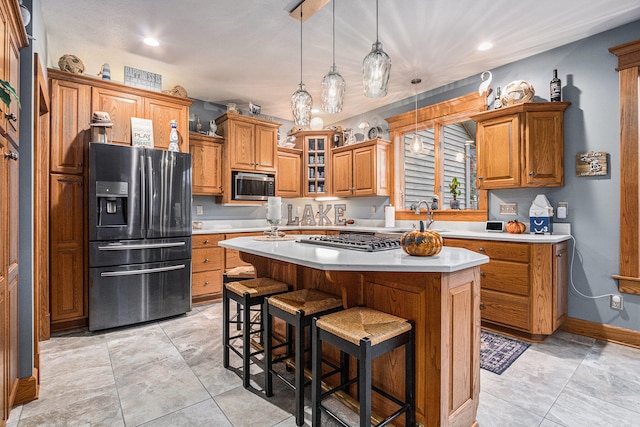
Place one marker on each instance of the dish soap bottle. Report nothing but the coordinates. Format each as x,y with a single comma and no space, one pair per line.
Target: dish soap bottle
173,137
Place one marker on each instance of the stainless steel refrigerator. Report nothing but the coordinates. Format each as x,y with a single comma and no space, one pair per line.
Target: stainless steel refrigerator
139,234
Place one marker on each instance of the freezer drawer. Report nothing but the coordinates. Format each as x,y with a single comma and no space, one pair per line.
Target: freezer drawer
130,294
121,252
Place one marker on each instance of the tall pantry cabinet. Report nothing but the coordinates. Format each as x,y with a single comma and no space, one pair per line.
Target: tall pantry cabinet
74,98
12,39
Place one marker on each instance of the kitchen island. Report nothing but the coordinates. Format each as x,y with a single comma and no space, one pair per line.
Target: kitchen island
440,294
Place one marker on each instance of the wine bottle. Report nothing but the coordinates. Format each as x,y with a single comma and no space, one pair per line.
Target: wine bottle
173,137
555,88
497,103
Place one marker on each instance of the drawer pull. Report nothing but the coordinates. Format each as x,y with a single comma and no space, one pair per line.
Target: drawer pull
206,242
206,260
206,283
480,249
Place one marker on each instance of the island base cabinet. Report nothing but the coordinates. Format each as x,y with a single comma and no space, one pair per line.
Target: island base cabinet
445,308
207,260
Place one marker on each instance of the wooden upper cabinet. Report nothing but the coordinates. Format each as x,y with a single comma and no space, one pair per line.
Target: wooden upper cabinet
251,143
120,106
362,169
69,125
288,182
206,157
521,146
266,148
13,74
161,113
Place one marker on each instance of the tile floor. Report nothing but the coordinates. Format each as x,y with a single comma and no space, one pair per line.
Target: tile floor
169,373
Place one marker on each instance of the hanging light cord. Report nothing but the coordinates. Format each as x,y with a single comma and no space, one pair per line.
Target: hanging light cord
377,41
416,82
334,32
301,44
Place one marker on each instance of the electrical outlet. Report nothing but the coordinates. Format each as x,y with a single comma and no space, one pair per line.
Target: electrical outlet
616,302
509,208
373,209
199,210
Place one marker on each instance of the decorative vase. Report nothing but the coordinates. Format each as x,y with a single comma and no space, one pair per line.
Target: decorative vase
454,204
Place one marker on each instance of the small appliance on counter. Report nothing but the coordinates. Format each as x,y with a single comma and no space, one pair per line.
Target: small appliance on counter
541,216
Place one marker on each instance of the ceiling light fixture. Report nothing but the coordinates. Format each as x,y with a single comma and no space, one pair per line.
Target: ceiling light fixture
151,41
485,46
333,85
301,101
416,142
376,68
26,15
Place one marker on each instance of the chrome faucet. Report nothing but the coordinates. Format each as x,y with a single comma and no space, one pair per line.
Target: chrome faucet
416,207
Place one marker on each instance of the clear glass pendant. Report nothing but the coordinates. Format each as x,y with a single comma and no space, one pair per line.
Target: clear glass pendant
333,89
301,103
376,69
416,144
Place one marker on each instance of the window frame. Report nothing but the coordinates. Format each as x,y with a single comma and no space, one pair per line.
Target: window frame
434,116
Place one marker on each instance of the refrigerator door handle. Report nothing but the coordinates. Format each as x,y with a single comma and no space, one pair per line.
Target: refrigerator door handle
150,196
142,271
142,246
143,196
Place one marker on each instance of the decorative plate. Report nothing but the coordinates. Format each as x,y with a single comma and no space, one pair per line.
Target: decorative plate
375,132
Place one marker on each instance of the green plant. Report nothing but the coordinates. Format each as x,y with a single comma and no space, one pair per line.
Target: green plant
7,92
453,188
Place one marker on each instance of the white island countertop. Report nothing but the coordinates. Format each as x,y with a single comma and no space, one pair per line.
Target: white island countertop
337,259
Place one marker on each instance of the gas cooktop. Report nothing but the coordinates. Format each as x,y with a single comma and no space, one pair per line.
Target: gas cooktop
359,242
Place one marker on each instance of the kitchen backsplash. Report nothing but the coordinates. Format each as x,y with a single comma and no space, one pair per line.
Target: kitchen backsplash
360,208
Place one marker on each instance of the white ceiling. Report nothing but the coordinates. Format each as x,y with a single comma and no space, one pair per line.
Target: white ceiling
249,50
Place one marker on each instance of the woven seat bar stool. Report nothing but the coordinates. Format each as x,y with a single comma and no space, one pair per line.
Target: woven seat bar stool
296,309
246,293
365,334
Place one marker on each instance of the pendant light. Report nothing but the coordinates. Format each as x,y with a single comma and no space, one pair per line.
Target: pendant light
416,142
301,101
333,85
376,68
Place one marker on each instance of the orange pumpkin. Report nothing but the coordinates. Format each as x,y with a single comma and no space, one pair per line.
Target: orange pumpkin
515,227
421,243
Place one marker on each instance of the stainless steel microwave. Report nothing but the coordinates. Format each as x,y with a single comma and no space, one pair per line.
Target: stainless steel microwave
252,186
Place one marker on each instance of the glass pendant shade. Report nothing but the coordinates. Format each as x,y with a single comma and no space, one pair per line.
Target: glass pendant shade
376,69
333,89
301,103
416,144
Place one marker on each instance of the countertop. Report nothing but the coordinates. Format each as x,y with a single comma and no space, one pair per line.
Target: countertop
337,259
447,230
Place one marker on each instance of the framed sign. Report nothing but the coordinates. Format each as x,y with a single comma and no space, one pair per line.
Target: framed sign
593,163
142,79
141,132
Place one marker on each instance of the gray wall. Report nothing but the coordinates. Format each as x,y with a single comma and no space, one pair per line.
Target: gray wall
590,83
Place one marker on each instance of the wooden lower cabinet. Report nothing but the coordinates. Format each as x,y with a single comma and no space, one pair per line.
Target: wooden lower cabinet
68,292
207,261
523,287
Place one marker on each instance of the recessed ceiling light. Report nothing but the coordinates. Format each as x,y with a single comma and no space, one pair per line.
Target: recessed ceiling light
485,46
151,41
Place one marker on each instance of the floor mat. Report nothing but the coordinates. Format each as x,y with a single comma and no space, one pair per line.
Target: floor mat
498,352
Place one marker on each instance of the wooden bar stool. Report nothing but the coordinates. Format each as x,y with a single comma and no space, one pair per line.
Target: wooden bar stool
365,334
246,293
296,309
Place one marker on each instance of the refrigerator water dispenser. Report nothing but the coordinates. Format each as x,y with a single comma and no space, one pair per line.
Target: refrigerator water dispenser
112,200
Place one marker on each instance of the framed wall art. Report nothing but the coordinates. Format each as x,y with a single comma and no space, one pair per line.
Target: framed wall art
592,163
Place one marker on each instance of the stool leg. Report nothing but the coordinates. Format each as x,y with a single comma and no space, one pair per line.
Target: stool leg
225,328
238,314
410,380
364,382
246,340
316,374
268,326
299,370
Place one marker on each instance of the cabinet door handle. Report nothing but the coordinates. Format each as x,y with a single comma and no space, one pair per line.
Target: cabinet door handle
532,173
11,155
206,260
481,306
480,177
482,273
480,249
206,283
559,255
206,242
80,164
11,117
